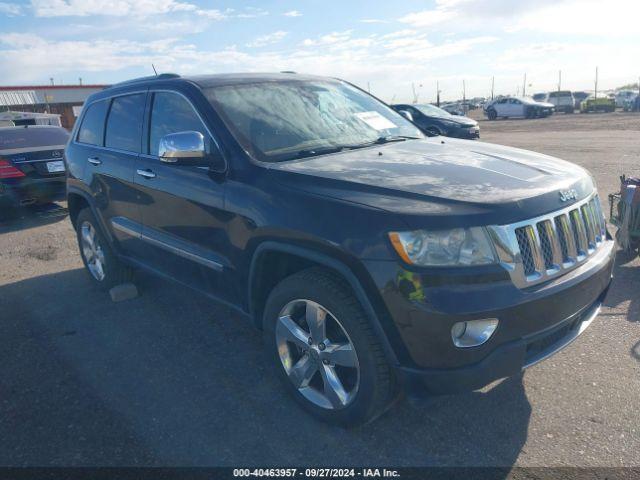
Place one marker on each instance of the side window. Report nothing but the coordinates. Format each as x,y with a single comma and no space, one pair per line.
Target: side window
92,128
171,113
124,124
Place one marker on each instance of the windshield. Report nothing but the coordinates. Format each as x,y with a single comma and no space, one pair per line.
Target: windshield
432,111
288,120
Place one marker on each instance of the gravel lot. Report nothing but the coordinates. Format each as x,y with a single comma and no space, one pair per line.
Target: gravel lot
171,378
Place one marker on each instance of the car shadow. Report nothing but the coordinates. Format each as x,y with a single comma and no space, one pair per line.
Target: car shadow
23,218
171,378
625,288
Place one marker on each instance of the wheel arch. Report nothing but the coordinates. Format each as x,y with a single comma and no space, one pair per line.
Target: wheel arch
302,258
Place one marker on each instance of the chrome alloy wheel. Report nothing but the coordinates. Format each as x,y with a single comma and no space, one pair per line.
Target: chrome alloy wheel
317,354
92,251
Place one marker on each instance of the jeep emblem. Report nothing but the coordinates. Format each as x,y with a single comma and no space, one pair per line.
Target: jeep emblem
566,195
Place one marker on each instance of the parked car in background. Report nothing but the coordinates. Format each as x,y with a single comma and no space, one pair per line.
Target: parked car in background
600,103
562,100
579,97
32,168
513,107
539,97
436,121
624,96
632,105
454,109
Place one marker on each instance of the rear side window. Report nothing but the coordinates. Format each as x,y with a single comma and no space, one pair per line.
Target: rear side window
92,128
171,113
124,124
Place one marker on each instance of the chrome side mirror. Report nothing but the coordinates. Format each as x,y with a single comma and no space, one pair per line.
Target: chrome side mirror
406,114
182,148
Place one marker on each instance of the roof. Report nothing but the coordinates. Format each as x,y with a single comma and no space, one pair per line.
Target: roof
19,97
216,80
213,80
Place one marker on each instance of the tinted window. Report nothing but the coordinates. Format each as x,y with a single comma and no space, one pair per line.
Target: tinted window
124,125
13,137
171,113
92,128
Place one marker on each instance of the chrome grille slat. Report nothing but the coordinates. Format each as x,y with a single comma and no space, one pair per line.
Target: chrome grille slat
547,246
579,233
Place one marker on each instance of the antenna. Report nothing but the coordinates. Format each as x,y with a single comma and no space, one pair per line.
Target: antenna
154,69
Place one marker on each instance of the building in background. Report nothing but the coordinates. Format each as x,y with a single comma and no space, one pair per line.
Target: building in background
64,100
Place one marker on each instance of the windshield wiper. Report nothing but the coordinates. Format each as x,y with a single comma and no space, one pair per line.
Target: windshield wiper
313,152
382,141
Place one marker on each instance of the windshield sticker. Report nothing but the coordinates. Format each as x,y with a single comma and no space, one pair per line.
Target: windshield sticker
375,120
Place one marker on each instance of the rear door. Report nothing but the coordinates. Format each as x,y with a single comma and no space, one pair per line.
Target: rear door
110,153
185,224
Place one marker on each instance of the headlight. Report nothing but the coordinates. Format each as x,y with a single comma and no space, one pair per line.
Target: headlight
455,247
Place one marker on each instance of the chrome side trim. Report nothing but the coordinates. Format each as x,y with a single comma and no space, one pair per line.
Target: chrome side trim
567,339
133,229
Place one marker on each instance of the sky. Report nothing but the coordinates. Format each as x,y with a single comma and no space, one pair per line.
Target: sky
392,48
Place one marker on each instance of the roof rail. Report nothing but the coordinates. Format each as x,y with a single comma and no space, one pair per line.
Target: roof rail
162,76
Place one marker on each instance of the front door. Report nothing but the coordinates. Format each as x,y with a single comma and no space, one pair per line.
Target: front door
184,221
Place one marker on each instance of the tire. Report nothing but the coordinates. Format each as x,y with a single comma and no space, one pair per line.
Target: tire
368,389
492,114
101,263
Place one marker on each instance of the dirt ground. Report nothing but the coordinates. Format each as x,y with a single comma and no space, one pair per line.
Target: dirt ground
171,379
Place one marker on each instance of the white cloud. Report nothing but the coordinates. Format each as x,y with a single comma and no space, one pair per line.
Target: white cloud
372,20
10,9
292,13
268,39
427,18
136,8
119,8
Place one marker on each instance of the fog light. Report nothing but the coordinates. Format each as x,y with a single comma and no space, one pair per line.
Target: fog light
473,332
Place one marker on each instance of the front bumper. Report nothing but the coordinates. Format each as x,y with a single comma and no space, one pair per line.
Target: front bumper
468,133
534,322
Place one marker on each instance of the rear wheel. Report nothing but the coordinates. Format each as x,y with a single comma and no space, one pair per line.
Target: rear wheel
103,266
492,114
325,351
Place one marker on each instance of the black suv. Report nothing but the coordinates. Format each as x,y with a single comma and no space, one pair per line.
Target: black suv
373,258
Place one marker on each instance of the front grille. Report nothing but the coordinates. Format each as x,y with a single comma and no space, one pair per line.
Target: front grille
553,244
523,234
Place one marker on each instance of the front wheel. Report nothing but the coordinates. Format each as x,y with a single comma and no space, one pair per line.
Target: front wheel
492,114
103,266
325,351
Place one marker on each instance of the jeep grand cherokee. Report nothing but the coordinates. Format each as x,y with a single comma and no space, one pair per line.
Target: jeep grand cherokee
374,259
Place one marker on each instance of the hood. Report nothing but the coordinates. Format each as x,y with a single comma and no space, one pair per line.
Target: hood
441,172
531,101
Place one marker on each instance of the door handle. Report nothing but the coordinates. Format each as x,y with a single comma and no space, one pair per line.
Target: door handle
94,160
146,173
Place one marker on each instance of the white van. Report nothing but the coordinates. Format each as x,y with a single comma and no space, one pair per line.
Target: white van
563,101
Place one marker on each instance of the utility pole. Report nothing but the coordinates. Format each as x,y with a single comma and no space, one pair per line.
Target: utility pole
464,96
524,85
415,95
369,87
493,80
559,79
595,93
